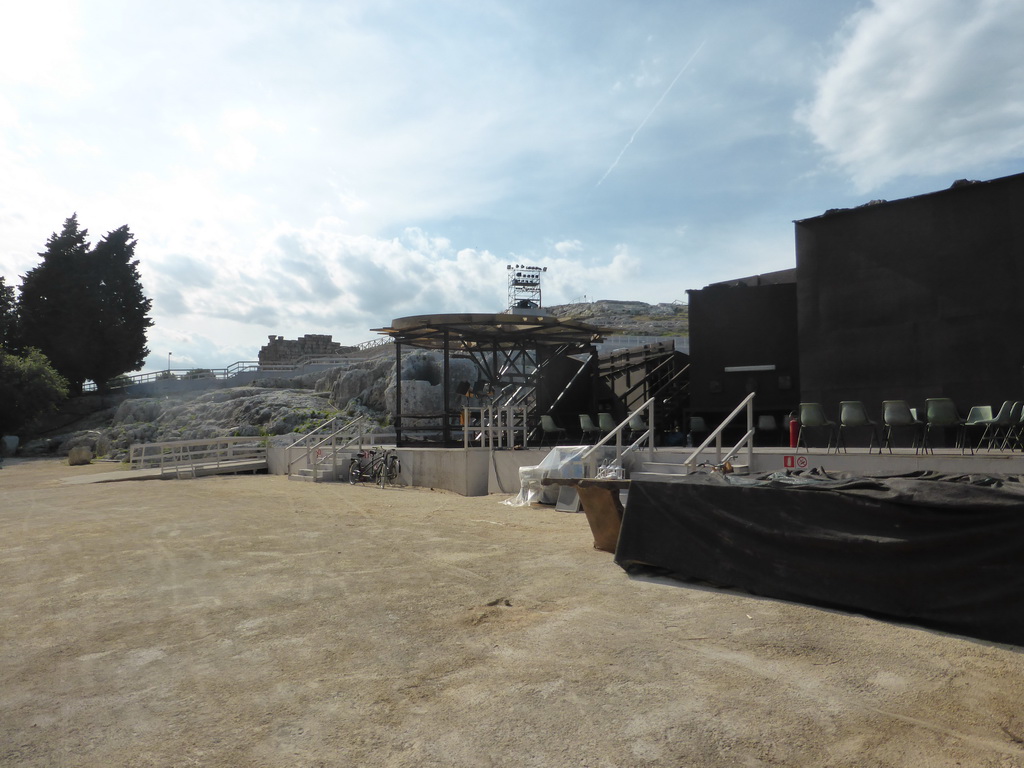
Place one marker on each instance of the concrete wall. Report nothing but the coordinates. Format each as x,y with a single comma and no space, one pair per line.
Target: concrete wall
476,472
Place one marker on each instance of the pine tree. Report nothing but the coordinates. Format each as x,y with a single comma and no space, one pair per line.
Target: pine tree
121,309
8,317
84,309
51,305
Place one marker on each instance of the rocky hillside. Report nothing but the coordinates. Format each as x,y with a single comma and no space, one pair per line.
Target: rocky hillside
110,430
630,318
286,407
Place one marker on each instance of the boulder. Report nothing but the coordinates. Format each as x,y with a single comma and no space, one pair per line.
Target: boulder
79,455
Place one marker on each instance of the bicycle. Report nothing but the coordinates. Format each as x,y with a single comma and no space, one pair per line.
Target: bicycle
363,467
388,469
383,469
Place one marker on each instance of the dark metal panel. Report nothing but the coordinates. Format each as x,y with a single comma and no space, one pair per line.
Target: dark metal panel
743,338
915,298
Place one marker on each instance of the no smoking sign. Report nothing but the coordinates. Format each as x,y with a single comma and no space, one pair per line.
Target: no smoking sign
794,462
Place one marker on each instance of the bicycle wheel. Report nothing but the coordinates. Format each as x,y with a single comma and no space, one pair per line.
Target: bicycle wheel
393,469
387,471
354,474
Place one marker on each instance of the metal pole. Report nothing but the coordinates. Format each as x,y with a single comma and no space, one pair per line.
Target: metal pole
446,429
398,393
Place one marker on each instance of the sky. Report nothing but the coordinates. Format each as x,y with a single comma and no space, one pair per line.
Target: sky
317,166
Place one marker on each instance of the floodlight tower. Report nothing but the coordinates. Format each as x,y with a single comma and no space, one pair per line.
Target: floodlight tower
524,288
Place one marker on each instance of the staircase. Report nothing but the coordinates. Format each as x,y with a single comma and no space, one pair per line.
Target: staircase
710,456
324,453
329,471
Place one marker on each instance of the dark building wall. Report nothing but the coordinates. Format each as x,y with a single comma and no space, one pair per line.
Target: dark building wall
738,325
915,298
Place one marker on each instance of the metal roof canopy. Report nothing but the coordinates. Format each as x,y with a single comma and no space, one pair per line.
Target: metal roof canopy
508,348
499,331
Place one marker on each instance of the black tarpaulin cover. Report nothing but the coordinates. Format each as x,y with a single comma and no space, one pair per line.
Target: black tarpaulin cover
937,550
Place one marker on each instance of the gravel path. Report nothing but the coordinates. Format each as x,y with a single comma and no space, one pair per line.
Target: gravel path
253,621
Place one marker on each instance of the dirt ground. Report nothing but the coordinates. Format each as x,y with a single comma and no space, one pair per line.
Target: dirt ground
253,621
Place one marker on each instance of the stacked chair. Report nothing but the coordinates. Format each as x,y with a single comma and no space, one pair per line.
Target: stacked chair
812,417
1004,431
997,429
549,428
1015,436
941,413
853,415
896,414
978,416
590,430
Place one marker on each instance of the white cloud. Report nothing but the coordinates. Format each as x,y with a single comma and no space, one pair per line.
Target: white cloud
566,247
327,280
923,87
318,167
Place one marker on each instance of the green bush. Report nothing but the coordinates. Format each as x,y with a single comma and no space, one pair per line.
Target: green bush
29,388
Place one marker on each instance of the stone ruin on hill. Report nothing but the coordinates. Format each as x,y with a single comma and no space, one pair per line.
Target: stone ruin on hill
282,351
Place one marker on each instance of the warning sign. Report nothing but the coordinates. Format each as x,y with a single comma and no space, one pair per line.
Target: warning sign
794,462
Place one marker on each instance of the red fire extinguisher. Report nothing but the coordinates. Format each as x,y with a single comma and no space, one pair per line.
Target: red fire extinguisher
794,431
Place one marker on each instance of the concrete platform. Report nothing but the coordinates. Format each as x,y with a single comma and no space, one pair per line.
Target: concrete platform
772,459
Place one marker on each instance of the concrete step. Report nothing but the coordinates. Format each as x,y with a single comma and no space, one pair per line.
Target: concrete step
311,475
657,476
664,468
668,472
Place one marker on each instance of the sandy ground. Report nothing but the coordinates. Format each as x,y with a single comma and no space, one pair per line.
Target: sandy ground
253,621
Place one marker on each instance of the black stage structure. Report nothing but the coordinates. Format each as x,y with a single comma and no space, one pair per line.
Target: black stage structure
525,358
905,299
914,298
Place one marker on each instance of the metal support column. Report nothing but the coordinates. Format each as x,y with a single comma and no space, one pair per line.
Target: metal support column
398,393
446,427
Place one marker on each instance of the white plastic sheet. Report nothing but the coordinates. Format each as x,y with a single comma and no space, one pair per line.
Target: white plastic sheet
564,461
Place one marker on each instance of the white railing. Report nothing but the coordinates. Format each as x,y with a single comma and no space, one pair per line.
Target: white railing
490,426
186,456
646,438
323,448
182,374
229,372
716,437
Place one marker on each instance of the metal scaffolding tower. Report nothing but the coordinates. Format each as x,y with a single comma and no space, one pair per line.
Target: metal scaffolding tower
524,286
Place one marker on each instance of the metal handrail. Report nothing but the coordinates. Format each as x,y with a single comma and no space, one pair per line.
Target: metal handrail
716,436
323,426
648,436
331,438
232,370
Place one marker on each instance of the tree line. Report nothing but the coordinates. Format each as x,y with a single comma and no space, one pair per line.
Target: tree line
79,315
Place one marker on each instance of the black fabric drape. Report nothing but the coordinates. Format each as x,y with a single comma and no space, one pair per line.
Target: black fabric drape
938,550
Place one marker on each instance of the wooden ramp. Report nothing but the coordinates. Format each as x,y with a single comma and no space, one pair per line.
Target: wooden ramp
198,458
168,472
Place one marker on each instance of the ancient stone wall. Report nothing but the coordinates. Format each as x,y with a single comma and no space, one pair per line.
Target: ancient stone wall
282,350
